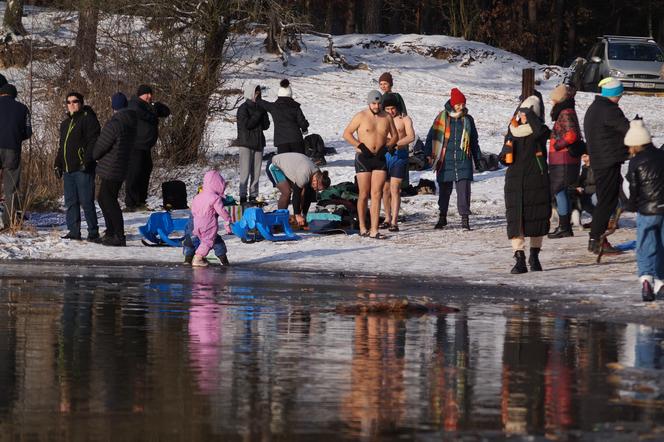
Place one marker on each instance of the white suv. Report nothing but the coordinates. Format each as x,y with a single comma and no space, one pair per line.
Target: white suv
637,61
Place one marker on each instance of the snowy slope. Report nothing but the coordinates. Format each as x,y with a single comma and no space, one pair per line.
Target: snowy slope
490,79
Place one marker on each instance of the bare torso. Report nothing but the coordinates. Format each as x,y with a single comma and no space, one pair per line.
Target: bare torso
372,129
404,126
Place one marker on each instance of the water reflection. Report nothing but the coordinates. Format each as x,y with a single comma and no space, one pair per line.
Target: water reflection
207,355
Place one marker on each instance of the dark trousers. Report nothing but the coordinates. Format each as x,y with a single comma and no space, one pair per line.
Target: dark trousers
138,177
297,147
11,178
463,196
80,192
110,207
608,191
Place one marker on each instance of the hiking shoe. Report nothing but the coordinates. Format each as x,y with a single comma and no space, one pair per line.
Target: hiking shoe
94,238
442,222
223,260
114,241
188,259
520,266
71,236
199,261
647,294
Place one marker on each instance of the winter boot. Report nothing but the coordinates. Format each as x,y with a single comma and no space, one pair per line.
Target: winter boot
520,266
563,230
188,259
199,261
608,249
442,221
533,260
465,222
114,241
223,260
593,246
647,293
243,200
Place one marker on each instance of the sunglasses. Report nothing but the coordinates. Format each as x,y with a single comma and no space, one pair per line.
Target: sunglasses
73,101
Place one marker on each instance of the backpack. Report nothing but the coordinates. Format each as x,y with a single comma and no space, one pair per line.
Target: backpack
174,195
314,146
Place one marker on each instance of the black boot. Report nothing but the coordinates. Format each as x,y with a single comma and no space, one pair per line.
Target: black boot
465,222
563,230
520,266
243,200
442,221
593,246
533,260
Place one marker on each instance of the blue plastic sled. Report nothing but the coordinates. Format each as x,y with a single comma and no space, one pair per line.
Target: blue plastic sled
159,228
255,218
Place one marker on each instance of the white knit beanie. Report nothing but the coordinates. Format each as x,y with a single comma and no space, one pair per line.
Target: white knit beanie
285,89
532,102
638,134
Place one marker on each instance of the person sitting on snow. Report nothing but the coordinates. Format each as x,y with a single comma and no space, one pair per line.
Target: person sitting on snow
206,208
646,196
584,198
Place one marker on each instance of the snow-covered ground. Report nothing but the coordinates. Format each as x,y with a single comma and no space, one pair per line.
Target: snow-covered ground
490,79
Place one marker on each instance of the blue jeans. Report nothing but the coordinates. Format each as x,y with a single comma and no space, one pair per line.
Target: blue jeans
191,242
650,245
562,201
80,192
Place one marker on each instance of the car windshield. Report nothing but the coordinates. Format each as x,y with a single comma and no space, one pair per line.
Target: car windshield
635,52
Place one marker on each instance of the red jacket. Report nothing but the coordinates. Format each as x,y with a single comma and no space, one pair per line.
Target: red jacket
566,131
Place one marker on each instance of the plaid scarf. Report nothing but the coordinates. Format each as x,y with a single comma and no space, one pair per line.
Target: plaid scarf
441,136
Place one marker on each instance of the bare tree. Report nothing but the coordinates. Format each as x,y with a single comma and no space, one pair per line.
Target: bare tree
372,16
13,20
84,53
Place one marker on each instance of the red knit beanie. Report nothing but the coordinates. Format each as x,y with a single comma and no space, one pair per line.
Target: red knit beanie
456,97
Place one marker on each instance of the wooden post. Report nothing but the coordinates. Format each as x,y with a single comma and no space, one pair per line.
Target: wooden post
527,83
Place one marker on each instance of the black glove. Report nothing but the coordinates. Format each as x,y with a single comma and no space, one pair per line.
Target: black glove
365,150
392,149
58,172
381,153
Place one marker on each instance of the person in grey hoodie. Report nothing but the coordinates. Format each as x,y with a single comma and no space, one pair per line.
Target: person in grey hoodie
252,120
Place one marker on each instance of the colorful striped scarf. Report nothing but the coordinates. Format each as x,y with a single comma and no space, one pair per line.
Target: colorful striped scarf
441,136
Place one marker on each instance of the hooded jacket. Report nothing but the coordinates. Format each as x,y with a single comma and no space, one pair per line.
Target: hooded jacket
208,205
78,134
252,120
289,121
148,114
114,144
16,126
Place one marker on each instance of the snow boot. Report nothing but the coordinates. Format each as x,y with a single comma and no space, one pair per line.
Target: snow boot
114,240
199,261
520,266
593,245
533,260
442,221
563,230
465,222
188,259
647,293
243,200
223,260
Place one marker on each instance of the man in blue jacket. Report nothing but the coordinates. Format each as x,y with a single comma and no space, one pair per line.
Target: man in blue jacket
15,129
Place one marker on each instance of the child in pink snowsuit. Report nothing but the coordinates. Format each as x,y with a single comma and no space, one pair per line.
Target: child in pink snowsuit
206,208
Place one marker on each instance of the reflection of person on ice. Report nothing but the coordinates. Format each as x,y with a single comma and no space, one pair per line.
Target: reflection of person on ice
206,208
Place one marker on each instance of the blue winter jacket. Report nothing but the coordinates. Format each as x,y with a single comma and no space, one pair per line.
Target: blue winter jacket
457,165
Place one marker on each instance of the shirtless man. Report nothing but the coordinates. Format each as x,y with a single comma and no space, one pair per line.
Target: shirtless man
397,162
373,128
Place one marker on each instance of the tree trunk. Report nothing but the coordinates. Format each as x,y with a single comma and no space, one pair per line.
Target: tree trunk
13,21
84,52
559,12
571,35
372,16
532,14
350,17
186,143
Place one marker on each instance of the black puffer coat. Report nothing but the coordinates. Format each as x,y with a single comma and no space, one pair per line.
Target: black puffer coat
252,120
147,130
527,200
605,127
646,181
78,134
289,121
114,144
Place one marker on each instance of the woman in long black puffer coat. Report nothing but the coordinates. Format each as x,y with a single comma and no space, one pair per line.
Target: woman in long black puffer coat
527,199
